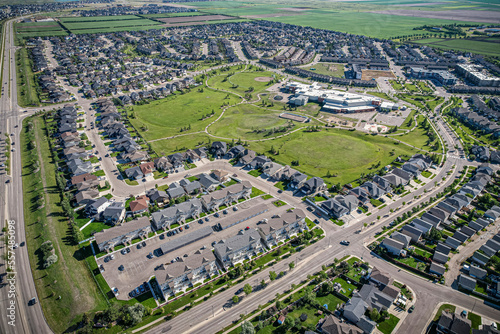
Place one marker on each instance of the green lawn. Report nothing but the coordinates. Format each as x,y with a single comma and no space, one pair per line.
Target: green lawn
254,172
442,308
418,137
332,69
475,320
388,325
347,289
346,154
375,202
330,300
241,82
94,227
256,192
410,261
426,174
26,82
167,117
247,122
422,252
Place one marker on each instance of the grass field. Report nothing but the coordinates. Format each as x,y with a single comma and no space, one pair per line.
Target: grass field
486,47
26,86
344,153
418,137
241,82
69,277
333,69
387,325
166,117
361,23
35,29
243,122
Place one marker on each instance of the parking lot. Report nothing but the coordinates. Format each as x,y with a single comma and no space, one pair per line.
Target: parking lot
127,271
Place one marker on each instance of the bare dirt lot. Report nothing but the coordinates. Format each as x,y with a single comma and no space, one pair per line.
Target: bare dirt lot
263,79
457,15
374,74
198,18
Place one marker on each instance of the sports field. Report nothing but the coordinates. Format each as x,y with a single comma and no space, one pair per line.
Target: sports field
333,69
249,122
168,116
243,81
101,24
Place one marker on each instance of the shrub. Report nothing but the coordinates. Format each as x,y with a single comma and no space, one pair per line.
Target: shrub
50,260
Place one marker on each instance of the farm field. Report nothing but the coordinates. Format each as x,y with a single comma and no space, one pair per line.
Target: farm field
333,69
155,16
180,19
39,29
361,23
84,25
487,47
166,117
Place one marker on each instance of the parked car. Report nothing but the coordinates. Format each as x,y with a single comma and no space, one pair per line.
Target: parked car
224,212
235,208
144,244
180,228
411,309
200,221
142,289
240,290
187,226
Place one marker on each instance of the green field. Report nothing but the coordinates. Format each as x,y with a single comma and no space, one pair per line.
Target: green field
26,86
245,121
333,69
166,117
99,24
187,14
361,23
346,154
419,138
241,82
38,29
489,46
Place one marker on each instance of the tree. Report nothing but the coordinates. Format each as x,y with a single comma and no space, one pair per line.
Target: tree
247,328
236,299
291,265
434,234
374,315
384,314
247,289
272,275
289,322
279,305
134,314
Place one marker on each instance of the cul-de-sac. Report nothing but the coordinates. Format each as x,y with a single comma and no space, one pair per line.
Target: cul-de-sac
249,166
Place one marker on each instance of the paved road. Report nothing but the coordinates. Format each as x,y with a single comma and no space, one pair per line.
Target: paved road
28,319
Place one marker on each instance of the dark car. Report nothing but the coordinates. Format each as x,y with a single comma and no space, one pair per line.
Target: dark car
144,244
411,309
345,242
139,246
239,291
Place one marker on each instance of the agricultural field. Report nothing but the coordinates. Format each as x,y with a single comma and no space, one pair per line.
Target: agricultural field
487,46
332,69
168,116
188,20
89,25
39,29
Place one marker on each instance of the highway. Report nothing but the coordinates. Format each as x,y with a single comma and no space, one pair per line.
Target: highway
23,318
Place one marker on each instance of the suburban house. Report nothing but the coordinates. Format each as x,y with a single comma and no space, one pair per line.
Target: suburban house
393,246
175,190
208,182
437,269
177,213
186,272
164,165
283,227
332,325
123,234
412,232
453,324
313,185
97,206
114,213
245,245
157,196
134,173
218,149
226,196
86,197
340,206
139,205
147,168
